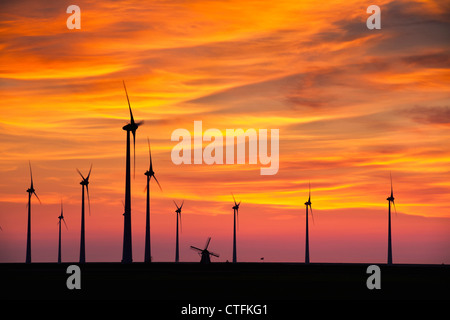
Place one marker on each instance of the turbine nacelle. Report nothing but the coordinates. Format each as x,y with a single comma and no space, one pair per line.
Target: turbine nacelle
178,210
132,126
309,203
391,197
236,205
85,183
61,217
31,189
150,173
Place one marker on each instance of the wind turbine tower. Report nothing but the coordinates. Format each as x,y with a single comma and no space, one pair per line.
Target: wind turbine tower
61,217
30,191
235,219
308,204
149,173
84,183
127,253
390,199
178,212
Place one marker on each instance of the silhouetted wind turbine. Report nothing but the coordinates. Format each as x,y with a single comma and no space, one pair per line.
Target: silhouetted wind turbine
127,253
308,204
205,253
84,183
149,173
178,212
61,217
236,217
390,199
30,191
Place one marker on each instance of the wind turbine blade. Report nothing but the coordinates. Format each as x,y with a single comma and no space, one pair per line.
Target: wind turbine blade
182,205
392,190
34,192
175,204
134,153
312,216
309,197
89,201
87,178
157,182
234,199
138,124
395,209
129,106
31,174
181,228
80,174
149,153
64,223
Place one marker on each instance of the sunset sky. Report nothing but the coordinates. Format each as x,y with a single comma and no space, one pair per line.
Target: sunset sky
352,105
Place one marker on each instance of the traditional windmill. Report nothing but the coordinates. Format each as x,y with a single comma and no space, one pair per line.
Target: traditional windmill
205,253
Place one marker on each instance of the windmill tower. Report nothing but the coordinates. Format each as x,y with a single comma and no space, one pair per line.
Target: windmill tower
149,173
235,219
85,184
390,199
205,254
61,217
127,253
177,250
308,204
30,191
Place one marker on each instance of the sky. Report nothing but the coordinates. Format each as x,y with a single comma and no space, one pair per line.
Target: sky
352,106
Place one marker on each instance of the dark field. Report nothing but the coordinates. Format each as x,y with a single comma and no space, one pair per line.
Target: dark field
193,282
